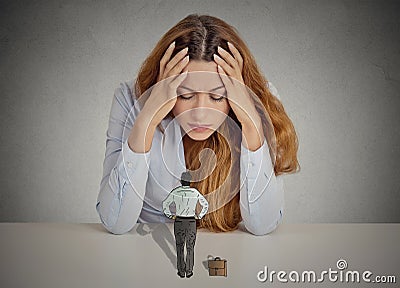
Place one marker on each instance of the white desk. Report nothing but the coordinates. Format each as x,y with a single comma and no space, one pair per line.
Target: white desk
86,255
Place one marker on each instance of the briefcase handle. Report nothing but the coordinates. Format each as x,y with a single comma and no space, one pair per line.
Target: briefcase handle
210,257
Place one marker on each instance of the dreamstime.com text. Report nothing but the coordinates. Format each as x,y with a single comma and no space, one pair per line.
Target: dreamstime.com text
332,275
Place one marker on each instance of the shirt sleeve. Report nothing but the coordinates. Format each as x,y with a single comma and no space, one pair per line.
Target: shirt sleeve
120,198
167,202
261,192
204,203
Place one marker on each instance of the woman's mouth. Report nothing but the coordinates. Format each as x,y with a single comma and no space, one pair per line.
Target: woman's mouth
199,127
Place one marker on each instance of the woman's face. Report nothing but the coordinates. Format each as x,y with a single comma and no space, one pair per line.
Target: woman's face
201,106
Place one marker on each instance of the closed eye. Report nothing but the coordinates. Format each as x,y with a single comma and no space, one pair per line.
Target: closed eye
186,97
214,97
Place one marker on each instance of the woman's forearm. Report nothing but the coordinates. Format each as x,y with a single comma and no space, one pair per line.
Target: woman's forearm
261,192
252,135
141,136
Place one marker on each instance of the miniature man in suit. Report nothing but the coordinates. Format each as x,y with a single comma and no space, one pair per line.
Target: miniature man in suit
185,199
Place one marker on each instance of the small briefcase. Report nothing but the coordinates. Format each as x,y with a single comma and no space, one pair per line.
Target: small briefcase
217,267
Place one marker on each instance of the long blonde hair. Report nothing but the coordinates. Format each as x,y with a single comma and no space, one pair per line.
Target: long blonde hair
203,34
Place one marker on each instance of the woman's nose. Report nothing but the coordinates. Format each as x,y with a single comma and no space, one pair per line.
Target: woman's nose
199,113
199,109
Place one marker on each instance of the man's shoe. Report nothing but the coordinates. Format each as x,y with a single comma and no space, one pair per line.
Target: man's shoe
182,275
189,274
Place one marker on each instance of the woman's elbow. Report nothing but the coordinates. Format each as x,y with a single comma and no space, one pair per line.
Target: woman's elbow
260,230
117,229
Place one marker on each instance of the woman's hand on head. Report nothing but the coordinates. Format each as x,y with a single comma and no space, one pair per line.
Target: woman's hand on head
163,94
161,100
230,71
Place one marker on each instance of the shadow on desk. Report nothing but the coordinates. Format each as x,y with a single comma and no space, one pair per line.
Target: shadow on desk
162,236
160,233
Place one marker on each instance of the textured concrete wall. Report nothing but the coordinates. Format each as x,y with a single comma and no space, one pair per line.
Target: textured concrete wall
335,64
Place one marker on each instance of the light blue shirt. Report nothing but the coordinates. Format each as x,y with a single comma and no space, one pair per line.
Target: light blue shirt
124,201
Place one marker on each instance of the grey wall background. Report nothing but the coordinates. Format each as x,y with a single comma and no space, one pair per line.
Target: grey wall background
335,64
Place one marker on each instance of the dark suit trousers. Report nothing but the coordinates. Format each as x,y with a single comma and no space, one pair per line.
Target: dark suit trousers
185,233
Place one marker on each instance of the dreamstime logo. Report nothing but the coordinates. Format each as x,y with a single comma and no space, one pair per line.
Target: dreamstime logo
330,275
341,264
161,95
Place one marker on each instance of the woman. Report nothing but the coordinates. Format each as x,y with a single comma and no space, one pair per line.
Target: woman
199,103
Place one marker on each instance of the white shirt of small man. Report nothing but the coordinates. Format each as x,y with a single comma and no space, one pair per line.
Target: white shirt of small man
185,199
